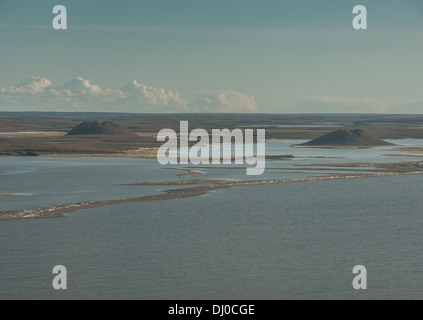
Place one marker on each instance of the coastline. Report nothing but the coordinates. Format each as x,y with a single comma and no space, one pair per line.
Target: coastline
205,185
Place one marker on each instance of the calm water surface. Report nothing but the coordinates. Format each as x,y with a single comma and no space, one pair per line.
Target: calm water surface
297,240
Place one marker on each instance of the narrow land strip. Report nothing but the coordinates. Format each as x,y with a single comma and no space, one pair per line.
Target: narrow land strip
205,185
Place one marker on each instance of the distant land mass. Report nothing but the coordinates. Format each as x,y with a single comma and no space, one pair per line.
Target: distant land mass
347,138
43,133
96,127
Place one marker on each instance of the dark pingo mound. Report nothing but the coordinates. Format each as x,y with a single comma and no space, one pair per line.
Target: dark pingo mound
347,138
96,127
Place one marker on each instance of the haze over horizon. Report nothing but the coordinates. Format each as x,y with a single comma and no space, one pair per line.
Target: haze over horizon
216,56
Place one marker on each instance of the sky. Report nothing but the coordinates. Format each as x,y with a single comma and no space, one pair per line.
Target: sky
271,56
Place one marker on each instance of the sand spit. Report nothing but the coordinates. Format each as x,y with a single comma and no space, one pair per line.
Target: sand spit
205,185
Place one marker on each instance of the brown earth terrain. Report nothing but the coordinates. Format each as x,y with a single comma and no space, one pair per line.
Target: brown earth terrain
146,127
346,138
101,128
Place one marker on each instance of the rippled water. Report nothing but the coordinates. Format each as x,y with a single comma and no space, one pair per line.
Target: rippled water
298,240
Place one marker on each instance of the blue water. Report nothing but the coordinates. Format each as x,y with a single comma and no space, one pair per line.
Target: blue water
53,181
298,240
265,242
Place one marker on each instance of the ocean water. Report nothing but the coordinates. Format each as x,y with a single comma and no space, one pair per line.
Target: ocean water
293,241
53,181
290,241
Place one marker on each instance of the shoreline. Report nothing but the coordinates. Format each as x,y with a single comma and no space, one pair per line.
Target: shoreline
206,185
86,155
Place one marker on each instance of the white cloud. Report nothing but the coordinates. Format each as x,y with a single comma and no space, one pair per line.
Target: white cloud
146,96
79,94
81,86
34,93
32,85
37,93
229,101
